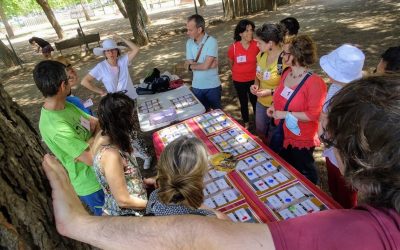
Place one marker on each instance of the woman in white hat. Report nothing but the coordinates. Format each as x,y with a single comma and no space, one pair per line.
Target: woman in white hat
343,65
113,71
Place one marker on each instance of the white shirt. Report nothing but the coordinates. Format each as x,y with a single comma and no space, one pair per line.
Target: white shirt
115,80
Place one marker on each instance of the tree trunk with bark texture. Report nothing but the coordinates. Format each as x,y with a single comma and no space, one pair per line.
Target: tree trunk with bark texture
202,3
26,214
139,33
271,5
87,17
121,8
7,56
52,19
229,10
146,19
4,19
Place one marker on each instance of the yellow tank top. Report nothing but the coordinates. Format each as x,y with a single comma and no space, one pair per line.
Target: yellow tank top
270,74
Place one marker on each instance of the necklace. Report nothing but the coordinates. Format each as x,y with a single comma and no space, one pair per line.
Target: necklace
297,76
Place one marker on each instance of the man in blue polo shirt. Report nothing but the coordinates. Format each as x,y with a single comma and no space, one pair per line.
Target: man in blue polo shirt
202,59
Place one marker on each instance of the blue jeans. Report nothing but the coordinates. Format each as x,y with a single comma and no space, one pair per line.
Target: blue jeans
94,201
210,98
262,120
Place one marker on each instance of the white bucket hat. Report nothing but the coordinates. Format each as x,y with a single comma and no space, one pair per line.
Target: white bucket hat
106,45
343,64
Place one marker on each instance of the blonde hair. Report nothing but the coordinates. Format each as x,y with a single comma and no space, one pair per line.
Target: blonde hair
181,170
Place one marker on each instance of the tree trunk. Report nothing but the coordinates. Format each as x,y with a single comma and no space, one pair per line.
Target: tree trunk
143,14
26,215
228,9
52,19
271,5
7,56
133,10
121,8
202,3
4,19
87,17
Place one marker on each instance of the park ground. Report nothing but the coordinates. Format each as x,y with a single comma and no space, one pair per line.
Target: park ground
369,24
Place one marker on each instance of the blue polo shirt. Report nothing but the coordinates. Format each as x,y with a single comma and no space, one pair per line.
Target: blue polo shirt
203,79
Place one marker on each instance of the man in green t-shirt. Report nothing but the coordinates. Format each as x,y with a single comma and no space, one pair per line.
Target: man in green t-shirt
67,130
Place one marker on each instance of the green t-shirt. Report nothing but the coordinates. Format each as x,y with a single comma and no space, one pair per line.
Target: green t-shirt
64,134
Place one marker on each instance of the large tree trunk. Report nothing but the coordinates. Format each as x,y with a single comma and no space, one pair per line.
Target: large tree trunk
143,14
202,3
229,9
52,19
4,19
87,17
26,216
137,24
7,56
121,8
271,5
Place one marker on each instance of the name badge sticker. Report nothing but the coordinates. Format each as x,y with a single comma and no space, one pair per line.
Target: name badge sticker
85,123
241,59
88,103
287,92
266,75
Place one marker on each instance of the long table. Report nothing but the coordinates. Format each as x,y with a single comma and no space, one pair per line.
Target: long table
262,187
161,109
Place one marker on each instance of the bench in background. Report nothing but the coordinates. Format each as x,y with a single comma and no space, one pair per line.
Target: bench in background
77,41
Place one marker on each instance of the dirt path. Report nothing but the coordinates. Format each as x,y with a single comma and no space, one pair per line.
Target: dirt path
368,23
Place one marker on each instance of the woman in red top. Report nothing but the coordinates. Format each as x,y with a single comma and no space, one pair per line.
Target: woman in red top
242,59
304,109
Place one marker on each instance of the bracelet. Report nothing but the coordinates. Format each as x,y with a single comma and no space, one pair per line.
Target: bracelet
272,92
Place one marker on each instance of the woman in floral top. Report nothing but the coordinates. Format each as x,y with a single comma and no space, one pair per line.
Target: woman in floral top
114,164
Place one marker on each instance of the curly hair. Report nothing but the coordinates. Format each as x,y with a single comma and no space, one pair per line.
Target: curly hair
180,172
392,58
271,32
116,119
364,121
241,27
303,50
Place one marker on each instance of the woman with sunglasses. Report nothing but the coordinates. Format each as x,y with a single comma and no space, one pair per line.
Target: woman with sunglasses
301,117
113,71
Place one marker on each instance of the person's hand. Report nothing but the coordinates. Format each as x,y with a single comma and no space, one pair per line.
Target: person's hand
67,207
214,64
254,89
103,93
270,111
259,76
279,114
186,65
262,93
149,181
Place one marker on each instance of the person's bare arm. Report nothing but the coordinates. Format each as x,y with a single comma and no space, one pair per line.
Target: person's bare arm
112,165
134,49
210,63
86,157
88,82
179,232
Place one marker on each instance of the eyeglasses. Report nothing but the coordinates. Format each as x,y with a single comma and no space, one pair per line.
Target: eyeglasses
328,142
284,53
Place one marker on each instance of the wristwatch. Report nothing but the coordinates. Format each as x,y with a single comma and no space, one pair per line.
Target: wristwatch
190,67
272,92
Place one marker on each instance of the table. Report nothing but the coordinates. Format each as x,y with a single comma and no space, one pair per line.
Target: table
161,109
262,187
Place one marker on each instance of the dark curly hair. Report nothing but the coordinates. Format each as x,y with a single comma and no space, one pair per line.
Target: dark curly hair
304,50
364,121
291,24
116,111
392,58
241,27
271,32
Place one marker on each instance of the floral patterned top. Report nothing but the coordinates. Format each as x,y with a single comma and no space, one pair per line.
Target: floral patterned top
133,180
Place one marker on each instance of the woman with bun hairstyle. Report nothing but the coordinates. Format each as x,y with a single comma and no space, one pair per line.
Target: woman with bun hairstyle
180,180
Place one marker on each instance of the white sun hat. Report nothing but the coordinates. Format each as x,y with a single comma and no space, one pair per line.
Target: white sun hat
343,64
106,45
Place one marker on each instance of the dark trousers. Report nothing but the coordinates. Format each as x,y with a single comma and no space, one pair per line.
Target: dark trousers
244,94
302,160
210,98
341,191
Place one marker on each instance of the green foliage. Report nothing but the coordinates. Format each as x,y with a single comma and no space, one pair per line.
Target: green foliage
25,7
